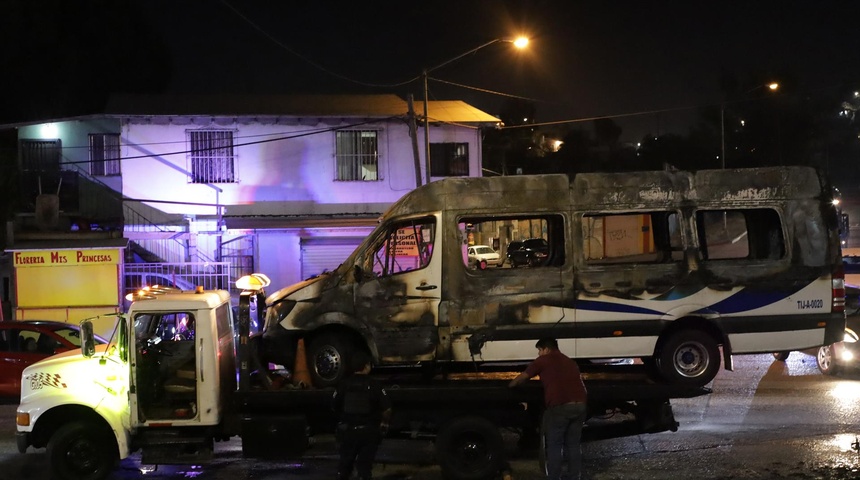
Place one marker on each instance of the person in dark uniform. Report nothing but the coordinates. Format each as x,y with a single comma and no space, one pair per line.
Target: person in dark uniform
363,410
565,400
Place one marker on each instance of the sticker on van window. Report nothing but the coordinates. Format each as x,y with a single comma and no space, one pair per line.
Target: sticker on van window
807,304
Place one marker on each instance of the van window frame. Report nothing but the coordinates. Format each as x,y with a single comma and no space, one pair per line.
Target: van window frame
751,243
671,253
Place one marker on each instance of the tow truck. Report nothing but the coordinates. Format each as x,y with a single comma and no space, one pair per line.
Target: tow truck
176,378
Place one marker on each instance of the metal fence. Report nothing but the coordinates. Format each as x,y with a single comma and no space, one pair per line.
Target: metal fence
184,275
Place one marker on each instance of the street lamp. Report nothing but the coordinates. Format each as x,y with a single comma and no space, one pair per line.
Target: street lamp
772,86
520,42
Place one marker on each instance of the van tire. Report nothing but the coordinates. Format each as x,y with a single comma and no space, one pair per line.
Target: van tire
330,356
470,448
81,451
689,357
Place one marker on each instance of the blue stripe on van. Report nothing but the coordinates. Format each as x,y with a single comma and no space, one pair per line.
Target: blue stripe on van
614,307
750,299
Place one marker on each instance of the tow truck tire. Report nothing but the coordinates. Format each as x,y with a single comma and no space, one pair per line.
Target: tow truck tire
470,448
689,357
81,451
329,358
781,356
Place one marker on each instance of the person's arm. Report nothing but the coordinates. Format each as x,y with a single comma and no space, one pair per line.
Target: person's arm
519,380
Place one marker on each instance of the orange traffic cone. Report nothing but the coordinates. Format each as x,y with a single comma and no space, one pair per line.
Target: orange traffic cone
301,375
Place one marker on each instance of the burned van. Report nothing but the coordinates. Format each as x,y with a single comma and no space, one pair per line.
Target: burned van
665,266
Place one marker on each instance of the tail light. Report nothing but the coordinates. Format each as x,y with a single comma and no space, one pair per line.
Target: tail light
838,282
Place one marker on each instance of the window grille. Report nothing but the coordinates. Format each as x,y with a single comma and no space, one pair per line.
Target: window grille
449,159
212,156
104,154
357,155
40,155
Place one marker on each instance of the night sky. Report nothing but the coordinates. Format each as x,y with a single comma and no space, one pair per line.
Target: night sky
585,59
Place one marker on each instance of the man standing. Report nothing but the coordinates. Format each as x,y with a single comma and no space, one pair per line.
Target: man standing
364,410
565,400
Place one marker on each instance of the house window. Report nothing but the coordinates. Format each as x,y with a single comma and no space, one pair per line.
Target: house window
40,155
104,154
212,156
357,155
449,159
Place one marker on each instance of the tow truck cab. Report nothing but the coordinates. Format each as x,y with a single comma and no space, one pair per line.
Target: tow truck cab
170,363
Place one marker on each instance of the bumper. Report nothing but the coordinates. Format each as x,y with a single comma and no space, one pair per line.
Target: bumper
23,441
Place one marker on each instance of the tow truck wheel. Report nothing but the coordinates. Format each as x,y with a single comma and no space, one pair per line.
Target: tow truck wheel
81,451
470,448
329,358
781,356
689,357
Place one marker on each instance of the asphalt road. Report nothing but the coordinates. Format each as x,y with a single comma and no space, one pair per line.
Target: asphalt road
765,420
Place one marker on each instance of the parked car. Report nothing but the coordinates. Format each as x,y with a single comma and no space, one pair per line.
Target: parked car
531,252
25,343
840,356
851,265
482,256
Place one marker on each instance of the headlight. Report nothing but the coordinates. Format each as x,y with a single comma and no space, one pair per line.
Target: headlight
279,311
847,356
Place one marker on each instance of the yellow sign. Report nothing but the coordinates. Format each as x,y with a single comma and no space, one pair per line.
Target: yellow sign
47,258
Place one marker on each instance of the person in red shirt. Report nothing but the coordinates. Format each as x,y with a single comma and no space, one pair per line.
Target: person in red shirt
565,401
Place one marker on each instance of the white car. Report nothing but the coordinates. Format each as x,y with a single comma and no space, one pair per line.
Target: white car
482,256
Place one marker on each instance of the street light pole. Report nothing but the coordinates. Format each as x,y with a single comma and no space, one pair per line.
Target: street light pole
519,42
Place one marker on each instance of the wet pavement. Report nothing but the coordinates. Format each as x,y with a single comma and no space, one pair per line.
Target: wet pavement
765,420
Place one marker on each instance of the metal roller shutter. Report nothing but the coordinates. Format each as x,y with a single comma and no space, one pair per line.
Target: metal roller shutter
325,254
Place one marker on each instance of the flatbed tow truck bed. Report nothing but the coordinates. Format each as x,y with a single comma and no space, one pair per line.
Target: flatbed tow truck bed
623,401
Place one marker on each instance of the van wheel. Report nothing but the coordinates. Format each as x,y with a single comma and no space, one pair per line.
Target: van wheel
470,448
330,356
689,357
81,451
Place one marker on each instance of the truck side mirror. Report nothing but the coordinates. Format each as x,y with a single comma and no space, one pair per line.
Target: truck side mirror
88,341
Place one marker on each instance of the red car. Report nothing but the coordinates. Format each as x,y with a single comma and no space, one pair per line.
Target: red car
25,343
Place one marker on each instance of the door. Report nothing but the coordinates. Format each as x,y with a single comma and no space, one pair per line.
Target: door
398,291
165,366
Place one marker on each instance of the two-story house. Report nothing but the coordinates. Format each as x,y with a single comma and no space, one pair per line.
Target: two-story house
285,185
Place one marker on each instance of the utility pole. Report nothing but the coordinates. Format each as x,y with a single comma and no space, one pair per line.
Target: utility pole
413,132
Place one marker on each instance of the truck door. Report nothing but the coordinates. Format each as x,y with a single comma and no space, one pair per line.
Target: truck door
164,367
398,289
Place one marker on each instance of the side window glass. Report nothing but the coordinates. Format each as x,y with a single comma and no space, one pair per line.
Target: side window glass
512,242
753,234
651,237
405,246
5,345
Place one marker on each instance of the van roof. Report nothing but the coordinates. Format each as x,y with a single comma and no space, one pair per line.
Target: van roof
636,189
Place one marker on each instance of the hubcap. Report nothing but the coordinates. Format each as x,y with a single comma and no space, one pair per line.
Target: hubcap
691,359
328,363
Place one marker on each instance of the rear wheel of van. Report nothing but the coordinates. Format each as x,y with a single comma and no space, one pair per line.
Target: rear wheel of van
330,357
689,357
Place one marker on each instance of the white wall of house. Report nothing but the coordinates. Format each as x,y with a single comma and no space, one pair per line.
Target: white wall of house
284,167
